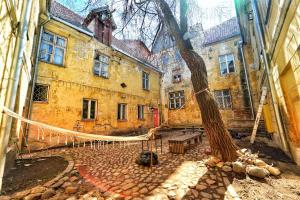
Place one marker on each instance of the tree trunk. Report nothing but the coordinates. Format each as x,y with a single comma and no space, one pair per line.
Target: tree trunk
220,140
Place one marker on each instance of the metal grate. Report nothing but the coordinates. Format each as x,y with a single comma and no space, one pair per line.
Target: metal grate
40,93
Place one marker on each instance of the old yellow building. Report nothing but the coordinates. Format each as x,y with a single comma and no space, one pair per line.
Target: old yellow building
19,31
228,81
89,81
271,28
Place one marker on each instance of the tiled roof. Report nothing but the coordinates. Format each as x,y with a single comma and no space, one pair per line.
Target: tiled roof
67,15
131,47
225,30
135,48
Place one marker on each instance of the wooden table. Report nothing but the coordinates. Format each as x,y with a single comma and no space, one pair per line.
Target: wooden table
178,144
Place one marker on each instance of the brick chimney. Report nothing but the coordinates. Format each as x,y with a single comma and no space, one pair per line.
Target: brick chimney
101,23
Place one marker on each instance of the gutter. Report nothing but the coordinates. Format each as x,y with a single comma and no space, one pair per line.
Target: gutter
269,77
144,63
11,94
72,26
35,73
247,80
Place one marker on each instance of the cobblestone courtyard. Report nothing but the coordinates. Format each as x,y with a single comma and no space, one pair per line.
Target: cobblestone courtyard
110,172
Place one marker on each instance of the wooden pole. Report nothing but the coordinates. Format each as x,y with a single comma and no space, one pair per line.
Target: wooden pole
258,115
151,155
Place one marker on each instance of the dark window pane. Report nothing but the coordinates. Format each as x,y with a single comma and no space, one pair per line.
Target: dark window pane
231,66
85,108
93,110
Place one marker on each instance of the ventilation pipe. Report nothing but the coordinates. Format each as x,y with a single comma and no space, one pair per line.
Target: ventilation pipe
247,79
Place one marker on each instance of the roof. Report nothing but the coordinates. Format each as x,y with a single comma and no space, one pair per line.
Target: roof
134,48
218,33
62,12
223,31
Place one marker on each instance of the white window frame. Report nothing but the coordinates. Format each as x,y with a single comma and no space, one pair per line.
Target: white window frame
101,63
145,80
46,86
54,46
173,96
141,112
227,65
223,96
89,109
123,112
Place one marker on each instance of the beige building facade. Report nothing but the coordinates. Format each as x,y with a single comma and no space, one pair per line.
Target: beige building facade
271,30
225,62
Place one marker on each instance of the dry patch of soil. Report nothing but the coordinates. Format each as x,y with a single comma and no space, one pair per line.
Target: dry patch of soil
285,187
31,172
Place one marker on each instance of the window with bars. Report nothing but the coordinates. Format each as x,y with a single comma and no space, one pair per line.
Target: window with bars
122,111
101,65
40,93
145,80
223,99
227,64
53,48
176,100
89,107
141,112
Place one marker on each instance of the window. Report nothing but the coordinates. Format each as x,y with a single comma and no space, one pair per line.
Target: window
141,112
223,98
53,49
165,59
40,93
176,100
89,109
122,111
177,56
145,80
101,65
226,64
177,78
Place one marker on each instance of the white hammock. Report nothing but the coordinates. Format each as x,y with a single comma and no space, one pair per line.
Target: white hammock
76,134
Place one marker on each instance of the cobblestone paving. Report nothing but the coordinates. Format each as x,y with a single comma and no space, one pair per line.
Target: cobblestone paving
110,172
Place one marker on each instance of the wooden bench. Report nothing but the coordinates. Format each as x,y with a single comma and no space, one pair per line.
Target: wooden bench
178,144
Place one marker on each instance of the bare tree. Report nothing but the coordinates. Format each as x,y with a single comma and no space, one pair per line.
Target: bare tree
148,16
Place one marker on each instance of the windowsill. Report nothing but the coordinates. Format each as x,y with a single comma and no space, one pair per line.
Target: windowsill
62,66
88,120
105,77
177,108
148,90
228,74
142,119
41,102
122,120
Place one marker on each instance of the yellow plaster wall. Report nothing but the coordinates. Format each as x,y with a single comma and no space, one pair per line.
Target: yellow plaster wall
68,85
9,31
189,115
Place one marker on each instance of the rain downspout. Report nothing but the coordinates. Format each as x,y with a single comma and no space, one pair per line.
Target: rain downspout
247,80
35,73
11,94
270,78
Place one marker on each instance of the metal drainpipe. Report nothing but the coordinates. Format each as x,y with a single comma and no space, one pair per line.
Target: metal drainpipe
11,94
34,76
247,80
270,79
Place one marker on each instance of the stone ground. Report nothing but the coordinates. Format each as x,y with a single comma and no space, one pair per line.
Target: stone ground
111,173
